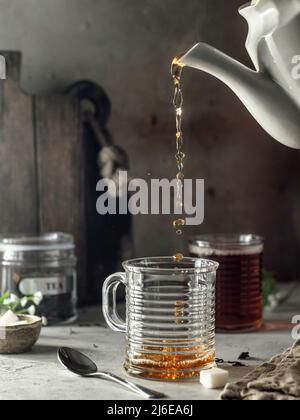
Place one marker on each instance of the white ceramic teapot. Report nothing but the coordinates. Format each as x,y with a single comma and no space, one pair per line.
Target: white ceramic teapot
272,92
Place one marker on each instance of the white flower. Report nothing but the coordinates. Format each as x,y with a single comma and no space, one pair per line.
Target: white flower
11,300
7,302
31,310
14,298
23,301
37,298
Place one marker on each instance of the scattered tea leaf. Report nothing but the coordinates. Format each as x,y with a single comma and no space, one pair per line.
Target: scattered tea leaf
233,364
244,356
237,364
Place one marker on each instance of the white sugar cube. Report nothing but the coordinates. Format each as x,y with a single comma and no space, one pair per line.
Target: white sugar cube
214,378
8,319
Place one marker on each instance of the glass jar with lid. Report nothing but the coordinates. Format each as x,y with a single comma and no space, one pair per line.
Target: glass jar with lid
45,263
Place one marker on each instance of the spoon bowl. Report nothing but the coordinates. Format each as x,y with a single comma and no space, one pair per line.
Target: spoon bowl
76,362
82,365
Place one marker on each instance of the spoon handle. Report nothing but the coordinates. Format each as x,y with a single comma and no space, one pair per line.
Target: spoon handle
138,389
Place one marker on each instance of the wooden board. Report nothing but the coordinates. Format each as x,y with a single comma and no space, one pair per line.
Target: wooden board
60,169
18,182
42,164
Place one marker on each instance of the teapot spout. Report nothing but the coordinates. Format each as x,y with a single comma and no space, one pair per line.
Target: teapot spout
266,100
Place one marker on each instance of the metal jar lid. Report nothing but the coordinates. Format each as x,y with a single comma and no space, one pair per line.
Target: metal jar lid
44,242
226,244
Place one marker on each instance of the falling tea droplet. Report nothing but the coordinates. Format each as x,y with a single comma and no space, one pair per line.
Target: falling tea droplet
178,223
178,257
180,176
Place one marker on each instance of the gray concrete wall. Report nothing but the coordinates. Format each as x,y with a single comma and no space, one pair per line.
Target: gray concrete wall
252,183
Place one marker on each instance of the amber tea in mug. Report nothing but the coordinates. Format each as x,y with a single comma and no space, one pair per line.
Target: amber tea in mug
239,297
170,316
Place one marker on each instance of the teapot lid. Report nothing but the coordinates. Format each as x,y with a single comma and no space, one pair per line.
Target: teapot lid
264,17
260,24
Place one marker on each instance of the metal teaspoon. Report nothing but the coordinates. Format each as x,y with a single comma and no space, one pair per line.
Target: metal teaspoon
81,365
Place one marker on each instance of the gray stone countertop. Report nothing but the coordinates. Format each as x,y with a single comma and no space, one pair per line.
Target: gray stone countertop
39,376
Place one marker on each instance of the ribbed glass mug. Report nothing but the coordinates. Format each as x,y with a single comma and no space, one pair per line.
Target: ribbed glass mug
170,316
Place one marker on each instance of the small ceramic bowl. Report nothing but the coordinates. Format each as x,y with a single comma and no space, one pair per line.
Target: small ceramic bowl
22,338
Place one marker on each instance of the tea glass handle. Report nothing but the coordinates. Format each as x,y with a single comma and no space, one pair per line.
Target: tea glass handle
110,313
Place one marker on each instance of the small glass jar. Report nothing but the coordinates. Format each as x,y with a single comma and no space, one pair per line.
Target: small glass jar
45,264
239,301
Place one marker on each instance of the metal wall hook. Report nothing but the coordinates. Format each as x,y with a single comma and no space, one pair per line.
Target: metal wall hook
96,110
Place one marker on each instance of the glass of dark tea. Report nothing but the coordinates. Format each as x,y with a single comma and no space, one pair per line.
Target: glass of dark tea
239,296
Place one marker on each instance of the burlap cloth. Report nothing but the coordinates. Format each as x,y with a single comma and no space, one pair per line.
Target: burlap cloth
278,379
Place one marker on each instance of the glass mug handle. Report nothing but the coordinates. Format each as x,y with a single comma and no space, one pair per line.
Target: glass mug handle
110,313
